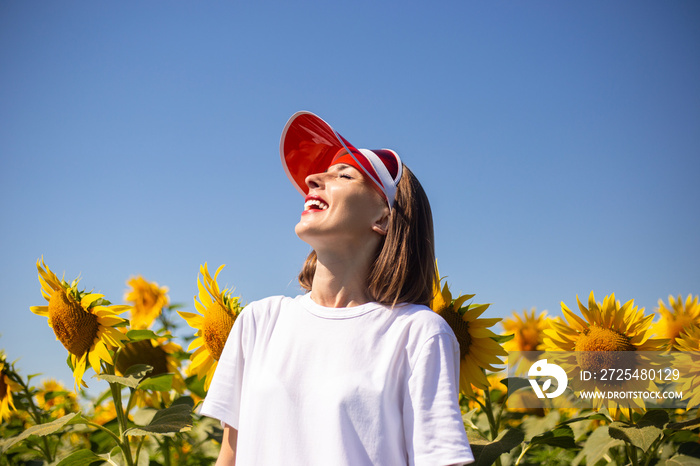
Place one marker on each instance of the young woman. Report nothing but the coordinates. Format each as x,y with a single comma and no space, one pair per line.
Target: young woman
358,371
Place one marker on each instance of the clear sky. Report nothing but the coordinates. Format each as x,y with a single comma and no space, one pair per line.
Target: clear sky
559,143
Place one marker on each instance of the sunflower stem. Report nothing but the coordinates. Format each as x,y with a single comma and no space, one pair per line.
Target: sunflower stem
130,403
138,449
34,412
493,424
651,453
488,409
632,454
121,417
522,455
106,431
166,452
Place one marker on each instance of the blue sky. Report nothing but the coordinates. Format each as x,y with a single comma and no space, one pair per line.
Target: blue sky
559,143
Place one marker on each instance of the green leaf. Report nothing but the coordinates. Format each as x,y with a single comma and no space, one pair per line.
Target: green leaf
486,453
500,339
597,446
562,437
590,417
176,418
138,335
681,460
515,383
641,437
196,385
684,425
45,429
54,394
160,383
144,415
654,417
80,458
100,302
690,449
131,379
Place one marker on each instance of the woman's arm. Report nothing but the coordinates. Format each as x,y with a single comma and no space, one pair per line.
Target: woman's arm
227,455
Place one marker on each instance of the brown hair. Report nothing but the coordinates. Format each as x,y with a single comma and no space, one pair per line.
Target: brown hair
404,268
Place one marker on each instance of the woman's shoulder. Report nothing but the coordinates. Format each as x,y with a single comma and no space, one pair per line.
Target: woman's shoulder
268,304
423,319
266,308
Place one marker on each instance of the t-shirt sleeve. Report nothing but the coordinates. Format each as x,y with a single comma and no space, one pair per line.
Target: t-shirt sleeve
223,399
433,424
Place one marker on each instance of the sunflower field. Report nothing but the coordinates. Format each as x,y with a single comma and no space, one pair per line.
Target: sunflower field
146,413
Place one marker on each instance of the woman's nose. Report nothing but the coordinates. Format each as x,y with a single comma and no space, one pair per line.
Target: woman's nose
314,181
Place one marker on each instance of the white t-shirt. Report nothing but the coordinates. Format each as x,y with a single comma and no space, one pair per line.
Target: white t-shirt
309,385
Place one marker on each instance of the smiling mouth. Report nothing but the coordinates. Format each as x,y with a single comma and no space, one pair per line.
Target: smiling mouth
314,204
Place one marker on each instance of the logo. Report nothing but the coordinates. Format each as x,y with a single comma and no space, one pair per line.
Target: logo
543,369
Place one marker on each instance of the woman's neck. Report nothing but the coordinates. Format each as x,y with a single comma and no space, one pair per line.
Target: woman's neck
341,280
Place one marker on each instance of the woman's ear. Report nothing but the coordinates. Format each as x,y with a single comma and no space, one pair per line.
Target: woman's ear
381,225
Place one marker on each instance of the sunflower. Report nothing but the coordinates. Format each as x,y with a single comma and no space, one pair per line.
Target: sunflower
158,353
83,322
7,387
607,327
478,349
688,362
527,341
55,399
527,331
148,301
609,336
217,312
675,318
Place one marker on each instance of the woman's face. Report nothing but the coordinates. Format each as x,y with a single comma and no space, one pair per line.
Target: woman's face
342,210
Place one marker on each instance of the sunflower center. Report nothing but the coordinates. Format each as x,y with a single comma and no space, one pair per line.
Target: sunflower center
529,338
603,339
74,327
147,299
3,386
460,329
217,325
142,352
598,348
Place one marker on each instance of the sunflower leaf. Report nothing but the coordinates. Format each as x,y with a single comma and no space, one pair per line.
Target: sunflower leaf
176,418
515,383
684,425
486,453
596,447
138,335
80,458
562,437
653,417
31,376
500,339
43,430
100,302
681,460
590,417
690,448
133,376
160,383
196,385
641,437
